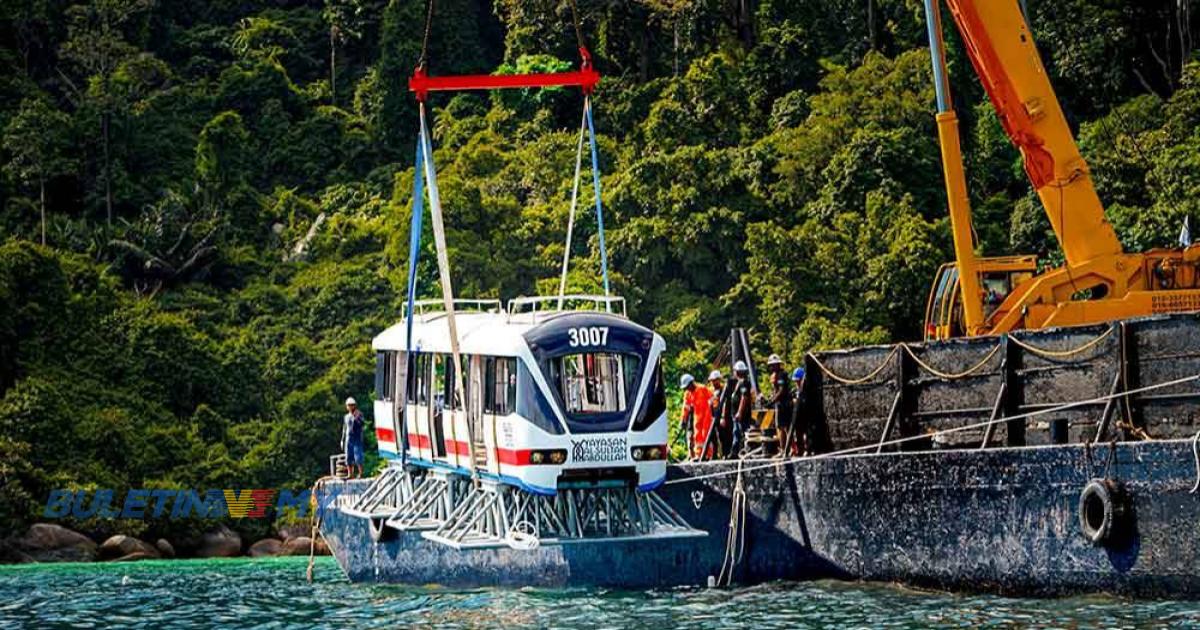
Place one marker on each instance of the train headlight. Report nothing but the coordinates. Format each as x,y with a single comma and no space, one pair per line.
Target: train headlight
558,457
536,457
648,453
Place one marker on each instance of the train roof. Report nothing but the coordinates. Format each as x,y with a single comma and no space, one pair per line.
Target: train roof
492,331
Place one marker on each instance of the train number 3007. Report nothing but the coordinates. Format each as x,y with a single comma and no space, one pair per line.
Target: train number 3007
587,336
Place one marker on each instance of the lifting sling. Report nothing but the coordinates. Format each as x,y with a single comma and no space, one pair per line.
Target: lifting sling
425,182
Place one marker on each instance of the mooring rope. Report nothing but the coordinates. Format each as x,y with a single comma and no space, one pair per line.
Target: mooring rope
913,438
854,381
1061,354
314,523
735,538
951,376
1042,352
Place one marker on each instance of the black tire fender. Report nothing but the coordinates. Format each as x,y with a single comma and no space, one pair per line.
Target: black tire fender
1103,511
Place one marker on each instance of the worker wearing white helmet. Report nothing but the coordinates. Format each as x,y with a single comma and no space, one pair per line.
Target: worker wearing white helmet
352,438
781,402
741,405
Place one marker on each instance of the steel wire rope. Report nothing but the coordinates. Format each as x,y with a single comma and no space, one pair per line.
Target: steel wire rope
425,39
926,436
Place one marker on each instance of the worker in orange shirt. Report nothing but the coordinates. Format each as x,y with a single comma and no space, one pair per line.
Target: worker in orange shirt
697,407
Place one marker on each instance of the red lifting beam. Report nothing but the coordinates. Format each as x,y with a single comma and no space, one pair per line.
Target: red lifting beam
586,78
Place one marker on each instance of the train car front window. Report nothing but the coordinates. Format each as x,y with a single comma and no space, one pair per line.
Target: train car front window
595,382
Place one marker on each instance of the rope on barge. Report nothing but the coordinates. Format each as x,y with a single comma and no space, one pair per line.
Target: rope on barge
967,427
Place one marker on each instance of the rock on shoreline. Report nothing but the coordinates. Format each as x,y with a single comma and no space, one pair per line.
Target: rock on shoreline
49,542
122,547
221,542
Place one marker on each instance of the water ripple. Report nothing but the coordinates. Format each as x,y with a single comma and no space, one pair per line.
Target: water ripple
273,594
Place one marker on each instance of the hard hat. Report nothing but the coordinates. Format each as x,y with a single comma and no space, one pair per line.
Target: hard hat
798,374
774,360
686,380
351,401
740,366
715,375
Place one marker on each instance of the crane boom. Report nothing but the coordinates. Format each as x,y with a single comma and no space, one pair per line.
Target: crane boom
1002,50
1098,282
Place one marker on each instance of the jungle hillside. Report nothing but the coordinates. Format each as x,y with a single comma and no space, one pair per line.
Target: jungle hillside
204,205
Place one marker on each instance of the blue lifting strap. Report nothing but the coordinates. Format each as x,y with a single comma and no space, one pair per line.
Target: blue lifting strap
414,254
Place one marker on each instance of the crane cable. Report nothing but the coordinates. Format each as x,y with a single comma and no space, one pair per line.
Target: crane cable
575,23
425,39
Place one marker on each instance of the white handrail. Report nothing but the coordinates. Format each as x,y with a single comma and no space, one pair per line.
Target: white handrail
427,307
550,304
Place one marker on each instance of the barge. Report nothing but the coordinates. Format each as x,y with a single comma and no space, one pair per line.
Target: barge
1044,463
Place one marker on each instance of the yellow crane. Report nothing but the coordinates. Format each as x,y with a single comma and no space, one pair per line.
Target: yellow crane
1099,281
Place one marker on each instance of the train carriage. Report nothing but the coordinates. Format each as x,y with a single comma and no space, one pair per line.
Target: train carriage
555,397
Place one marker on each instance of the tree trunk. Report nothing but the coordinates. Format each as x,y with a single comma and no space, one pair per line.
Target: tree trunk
42,202
871,43
332,65
107,170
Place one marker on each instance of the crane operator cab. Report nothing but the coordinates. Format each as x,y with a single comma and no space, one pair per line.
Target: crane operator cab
998,276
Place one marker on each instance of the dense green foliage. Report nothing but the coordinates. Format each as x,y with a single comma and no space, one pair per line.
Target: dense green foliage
226,190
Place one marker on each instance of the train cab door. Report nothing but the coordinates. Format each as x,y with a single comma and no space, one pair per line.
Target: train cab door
475,394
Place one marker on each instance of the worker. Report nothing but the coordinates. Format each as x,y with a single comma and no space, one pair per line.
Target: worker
715,442
741,406
687,415
697,406
352,438
801,431
781,403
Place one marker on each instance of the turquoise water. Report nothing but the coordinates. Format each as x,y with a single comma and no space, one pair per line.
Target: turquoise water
273,593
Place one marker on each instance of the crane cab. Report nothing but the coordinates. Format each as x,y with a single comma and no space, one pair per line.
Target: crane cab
998,277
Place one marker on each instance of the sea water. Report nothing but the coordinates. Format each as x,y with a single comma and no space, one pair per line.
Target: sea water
273,593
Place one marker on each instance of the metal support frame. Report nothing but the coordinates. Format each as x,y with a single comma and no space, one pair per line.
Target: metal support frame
891,421
448,509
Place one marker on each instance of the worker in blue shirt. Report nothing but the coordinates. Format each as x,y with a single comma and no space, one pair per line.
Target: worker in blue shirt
352,438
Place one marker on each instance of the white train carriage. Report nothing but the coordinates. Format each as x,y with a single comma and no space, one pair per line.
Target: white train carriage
555,399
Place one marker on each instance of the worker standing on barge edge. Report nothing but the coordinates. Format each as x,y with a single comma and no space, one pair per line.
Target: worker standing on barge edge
741,404
697,407
352,438
781,402
714,442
